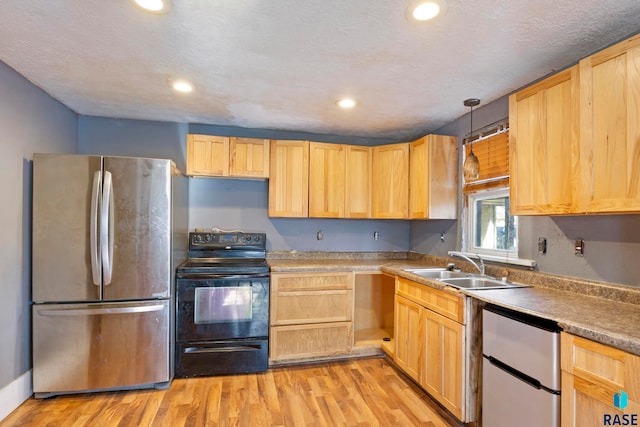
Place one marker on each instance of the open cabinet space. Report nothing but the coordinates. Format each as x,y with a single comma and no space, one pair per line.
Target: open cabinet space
373,310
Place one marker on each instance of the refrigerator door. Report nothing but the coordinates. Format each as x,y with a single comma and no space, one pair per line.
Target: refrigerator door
81,347
136,228
527,344
66,193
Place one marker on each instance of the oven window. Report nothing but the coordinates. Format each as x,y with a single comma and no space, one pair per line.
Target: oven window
223,304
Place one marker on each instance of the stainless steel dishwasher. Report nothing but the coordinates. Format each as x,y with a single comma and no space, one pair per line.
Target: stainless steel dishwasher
520,370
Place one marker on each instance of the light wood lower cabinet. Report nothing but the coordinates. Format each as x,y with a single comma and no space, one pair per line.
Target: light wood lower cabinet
311,315
430,343
407,336
297,342
592,374
443,365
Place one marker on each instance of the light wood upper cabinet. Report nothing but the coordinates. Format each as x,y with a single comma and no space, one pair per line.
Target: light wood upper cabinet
543,132
390,181
289,179
249,157
592,373
610,129
223,156
326,180
433,172
358,182
207,155
575,137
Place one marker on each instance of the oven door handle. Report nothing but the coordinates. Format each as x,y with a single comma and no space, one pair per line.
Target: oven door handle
225,276
196,350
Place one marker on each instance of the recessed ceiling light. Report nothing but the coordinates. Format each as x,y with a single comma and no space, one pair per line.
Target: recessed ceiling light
426,10
182,86
152,5
346,103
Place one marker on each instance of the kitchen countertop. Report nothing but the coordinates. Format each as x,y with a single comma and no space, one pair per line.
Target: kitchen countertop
572,304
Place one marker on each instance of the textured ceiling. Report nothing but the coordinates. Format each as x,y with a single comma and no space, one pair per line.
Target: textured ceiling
281,64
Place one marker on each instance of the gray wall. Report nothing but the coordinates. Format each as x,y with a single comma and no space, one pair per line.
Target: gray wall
133,138
30,121
612,242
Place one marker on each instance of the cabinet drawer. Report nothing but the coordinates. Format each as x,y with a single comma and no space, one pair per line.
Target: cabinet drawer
444,303
293,282
305,341
289,308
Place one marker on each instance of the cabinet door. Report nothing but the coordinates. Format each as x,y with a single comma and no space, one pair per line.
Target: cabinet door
407,333
543,144
289,179
326,180
443,366
207,155
390,189
610,129
433,180
358,182
249,157
592,374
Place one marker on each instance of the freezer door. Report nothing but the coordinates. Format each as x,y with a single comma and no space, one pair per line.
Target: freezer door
136,228
82,347
508,401
66,190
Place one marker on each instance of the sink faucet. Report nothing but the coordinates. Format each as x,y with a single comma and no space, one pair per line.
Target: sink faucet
481,267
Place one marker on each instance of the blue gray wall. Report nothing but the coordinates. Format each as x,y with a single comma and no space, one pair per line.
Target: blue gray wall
30,121
133,138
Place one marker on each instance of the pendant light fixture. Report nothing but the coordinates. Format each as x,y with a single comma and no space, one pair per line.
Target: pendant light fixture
471,166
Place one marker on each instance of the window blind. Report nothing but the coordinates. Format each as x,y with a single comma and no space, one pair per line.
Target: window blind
493,155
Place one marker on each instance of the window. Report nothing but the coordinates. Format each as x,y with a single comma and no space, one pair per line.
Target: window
491,229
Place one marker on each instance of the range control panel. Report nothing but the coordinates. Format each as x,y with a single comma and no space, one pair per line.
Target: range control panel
224,239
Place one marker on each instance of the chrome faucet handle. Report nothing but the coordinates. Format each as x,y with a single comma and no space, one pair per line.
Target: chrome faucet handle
483,266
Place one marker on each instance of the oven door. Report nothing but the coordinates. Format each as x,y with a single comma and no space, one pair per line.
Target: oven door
222,307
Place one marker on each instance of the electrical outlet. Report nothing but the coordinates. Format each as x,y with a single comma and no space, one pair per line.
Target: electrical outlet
542,245
579,247
376,235
319,235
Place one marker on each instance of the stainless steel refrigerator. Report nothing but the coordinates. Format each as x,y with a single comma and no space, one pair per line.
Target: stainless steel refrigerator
103,268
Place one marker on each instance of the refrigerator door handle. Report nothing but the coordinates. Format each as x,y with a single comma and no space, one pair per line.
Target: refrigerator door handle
106,228
99,311
96,271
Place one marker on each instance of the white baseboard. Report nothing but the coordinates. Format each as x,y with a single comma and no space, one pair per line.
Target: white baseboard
16,392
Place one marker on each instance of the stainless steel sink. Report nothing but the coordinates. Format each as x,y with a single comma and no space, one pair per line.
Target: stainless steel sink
437,273
478,282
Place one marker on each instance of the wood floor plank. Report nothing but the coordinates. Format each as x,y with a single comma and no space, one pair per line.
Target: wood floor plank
361,392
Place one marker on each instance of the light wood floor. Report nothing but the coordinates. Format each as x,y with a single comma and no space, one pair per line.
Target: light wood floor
362,392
